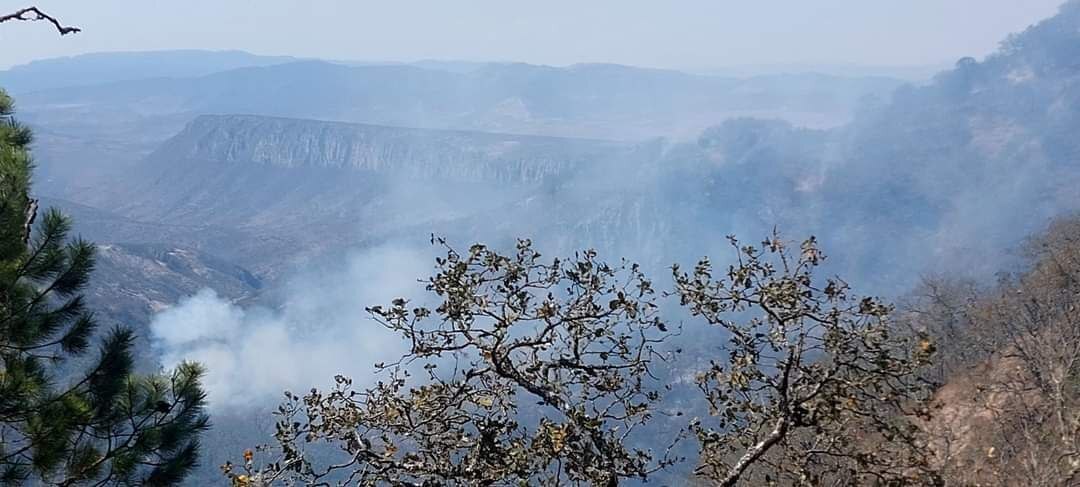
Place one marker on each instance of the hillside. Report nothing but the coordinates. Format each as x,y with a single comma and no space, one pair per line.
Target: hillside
259,182
138,280
315,187
458,156
947,175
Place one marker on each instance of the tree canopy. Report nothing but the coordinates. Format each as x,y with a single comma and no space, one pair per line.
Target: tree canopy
534,371
69,416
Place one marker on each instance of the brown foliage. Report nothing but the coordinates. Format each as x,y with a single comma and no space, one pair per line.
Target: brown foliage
541,372
1010,411
537,372
815,389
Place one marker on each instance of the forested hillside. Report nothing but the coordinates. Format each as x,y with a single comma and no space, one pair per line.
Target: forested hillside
270,217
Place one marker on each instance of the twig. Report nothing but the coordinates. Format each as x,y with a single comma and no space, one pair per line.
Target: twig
32,14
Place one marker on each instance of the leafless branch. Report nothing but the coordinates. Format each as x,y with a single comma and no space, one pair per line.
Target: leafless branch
33,14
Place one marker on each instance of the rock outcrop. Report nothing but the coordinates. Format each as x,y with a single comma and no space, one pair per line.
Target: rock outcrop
405,152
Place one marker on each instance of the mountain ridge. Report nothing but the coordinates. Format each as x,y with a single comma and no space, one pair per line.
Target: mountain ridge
417,152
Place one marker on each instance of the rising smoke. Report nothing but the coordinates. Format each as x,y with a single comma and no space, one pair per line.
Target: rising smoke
252,354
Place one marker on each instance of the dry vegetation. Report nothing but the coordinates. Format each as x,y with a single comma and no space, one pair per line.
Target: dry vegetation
541,372
1008,412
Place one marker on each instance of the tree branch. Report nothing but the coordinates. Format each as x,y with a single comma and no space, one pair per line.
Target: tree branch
778,433
754,453
32,14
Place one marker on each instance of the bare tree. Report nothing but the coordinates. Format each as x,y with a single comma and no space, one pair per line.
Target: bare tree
1013,416
941,306
33,14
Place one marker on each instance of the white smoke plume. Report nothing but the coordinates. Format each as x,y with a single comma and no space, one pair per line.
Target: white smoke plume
254,354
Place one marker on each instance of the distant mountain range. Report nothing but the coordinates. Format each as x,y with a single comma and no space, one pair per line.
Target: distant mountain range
953,170
110,67
593,100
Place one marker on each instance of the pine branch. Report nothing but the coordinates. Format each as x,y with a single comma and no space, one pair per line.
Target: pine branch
33,14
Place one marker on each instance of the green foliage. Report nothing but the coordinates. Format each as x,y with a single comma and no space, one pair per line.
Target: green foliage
104,424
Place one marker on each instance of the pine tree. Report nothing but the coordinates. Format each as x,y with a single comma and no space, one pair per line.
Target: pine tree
67,415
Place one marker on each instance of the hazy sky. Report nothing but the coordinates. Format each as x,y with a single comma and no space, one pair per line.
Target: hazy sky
695,34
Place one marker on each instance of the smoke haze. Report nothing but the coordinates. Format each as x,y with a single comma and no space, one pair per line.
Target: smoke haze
252,354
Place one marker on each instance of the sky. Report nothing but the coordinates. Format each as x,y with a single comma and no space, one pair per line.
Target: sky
679,34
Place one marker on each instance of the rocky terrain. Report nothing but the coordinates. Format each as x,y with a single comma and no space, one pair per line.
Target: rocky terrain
137,280
952,173
240,179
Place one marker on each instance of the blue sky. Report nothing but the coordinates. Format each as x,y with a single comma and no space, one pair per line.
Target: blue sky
684,34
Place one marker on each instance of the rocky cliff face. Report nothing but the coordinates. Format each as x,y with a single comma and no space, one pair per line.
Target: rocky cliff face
302,188
402,152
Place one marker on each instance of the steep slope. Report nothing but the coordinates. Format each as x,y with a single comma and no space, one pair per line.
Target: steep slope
249,171
144,266
133,281
977,158
946,176
943,176
91,133
416,153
